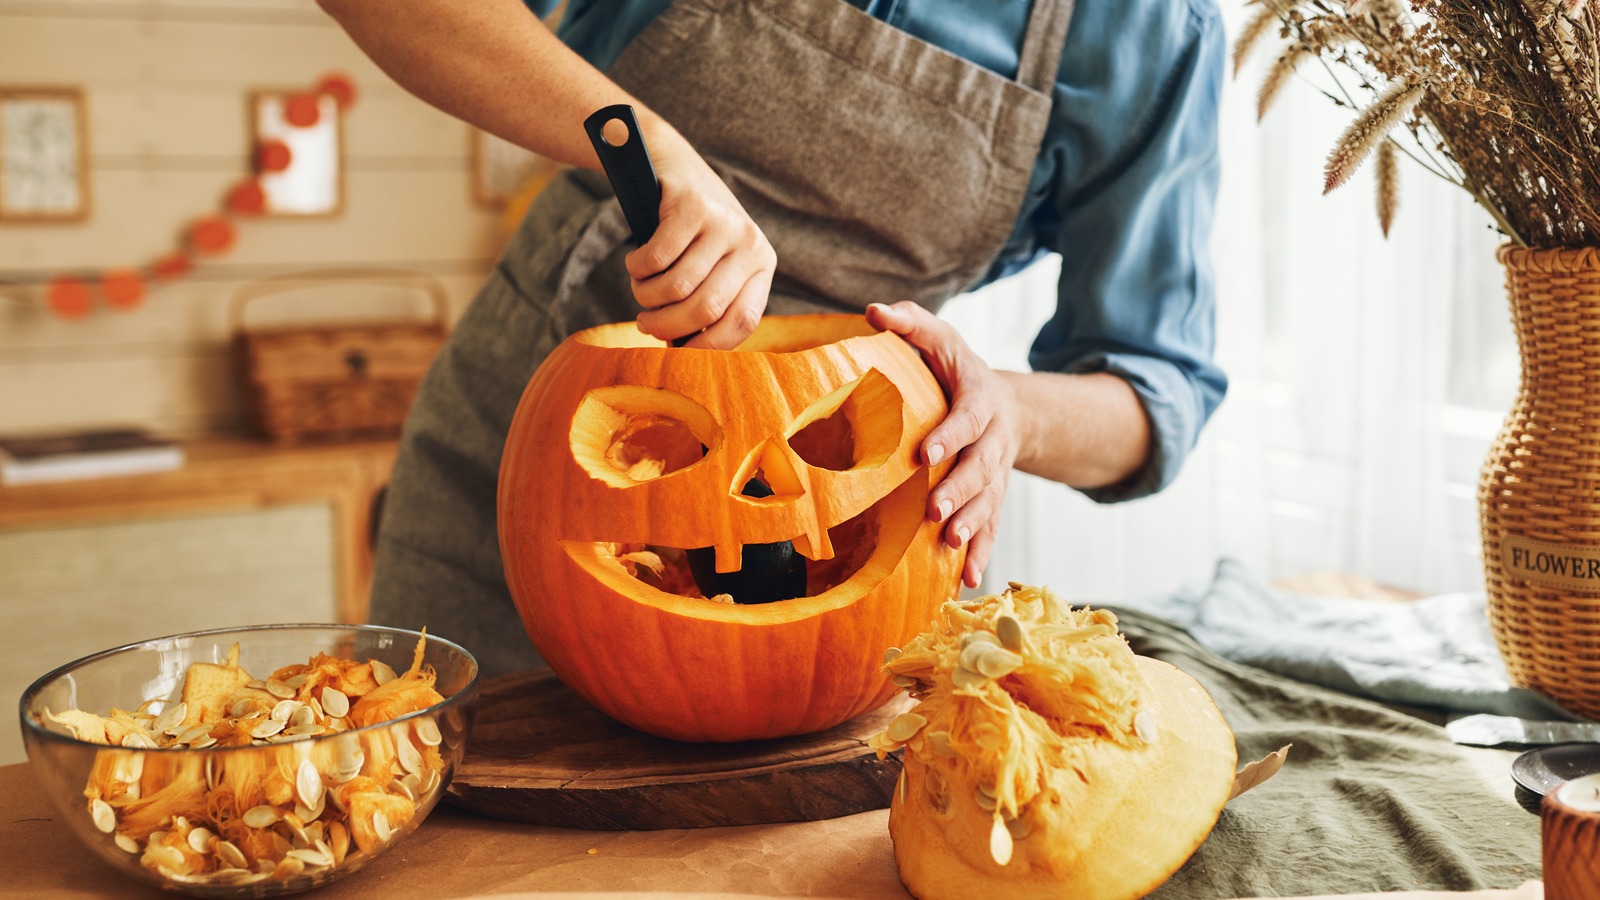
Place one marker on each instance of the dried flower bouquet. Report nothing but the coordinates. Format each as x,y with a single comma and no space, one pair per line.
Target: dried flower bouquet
1496,96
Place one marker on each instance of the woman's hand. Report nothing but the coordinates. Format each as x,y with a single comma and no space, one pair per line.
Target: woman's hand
980,431
708,269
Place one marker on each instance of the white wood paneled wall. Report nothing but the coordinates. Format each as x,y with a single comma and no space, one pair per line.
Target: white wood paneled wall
167,84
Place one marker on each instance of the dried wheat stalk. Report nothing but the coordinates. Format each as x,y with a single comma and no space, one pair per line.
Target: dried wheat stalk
1497,96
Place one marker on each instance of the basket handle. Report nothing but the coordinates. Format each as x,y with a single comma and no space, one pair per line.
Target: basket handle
293,281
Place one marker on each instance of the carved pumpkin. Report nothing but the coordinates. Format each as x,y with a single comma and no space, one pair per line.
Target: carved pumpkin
625,455
1046,759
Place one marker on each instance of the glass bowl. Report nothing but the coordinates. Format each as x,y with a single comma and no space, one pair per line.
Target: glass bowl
310,798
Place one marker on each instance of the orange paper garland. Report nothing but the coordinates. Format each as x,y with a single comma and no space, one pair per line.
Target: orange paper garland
72,296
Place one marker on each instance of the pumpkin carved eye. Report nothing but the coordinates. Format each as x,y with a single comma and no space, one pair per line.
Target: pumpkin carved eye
632,434
855,427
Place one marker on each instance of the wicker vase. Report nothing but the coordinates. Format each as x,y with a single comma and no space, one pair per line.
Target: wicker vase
1539,492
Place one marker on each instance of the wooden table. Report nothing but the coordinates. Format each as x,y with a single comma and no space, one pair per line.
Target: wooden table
454,855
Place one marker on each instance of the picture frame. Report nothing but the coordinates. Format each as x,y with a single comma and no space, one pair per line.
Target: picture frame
44,155
312,184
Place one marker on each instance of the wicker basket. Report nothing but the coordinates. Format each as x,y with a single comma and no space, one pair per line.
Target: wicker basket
1539,492
335,380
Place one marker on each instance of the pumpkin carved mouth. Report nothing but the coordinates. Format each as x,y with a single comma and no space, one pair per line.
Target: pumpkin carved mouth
866,549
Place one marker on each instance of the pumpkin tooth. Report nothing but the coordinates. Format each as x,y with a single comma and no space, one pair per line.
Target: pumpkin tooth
729,557
814,544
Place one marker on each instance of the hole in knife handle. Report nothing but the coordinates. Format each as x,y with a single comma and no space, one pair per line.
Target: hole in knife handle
615,132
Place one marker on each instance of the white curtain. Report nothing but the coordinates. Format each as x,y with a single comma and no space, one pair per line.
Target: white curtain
1368,376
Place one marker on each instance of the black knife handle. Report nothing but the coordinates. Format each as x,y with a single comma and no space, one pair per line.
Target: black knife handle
632,176
628,167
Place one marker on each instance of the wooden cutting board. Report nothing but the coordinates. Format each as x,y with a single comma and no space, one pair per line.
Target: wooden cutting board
539,753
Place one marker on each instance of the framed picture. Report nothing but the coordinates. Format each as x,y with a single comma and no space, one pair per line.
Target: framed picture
44,157
501,169
299,152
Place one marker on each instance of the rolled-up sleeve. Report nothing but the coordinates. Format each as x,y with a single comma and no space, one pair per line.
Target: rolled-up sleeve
1137,295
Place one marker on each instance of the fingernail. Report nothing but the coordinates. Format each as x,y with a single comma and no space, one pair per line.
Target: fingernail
935,453
945,506
962,535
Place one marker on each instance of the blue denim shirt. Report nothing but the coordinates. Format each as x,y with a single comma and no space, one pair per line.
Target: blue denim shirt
1123,189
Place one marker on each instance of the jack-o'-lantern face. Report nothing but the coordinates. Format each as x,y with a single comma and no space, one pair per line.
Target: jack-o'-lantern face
627,458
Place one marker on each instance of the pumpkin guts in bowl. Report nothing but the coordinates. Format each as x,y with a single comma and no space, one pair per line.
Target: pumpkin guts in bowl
221,783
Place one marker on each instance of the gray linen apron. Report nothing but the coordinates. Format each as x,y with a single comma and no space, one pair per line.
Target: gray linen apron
881,168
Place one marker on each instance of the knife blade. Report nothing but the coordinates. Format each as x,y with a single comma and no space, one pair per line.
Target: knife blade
1485,730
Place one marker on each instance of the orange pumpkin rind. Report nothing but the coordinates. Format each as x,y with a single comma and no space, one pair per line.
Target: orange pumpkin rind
578,522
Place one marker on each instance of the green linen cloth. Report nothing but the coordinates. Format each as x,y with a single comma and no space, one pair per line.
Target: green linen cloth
1371,798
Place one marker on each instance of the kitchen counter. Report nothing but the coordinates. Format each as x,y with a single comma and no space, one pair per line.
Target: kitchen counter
455,855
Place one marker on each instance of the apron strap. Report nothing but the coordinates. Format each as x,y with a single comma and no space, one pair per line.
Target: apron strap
1048,22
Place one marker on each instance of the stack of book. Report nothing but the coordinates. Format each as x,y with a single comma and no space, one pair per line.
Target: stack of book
35,459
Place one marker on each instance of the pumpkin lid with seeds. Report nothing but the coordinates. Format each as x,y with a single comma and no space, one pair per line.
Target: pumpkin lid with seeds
1046,759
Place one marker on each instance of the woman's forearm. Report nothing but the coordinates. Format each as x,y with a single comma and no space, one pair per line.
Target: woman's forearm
491,63
1086,431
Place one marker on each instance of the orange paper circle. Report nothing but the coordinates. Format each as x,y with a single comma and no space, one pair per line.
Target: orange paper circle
273,156
68,297
302,110
338,86
171,266
247,198
212,236
122,288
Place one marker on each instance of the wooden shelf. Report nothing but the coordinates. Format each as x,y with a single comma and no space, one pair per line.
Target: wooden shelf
226,473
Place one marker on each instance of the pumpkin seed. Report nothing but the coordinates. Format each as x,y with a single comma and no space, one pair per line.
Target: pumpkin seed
200,840
138,740
1019,828
190,735
310,813
410,757
242,708
126,843
287,868
296,681
132,793
203,743
430,782
308,784
256,684
381,826
381,673
904,681
335,703
171,719
267,728
232,855
128,768
296,825
404,790
1012,635
283,710
312,857
964,677
904,726
984,801
980,637
428,731
304,715
1000,845
262,816
998,662
892,654
1144,725
279,689
105,818
940,741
